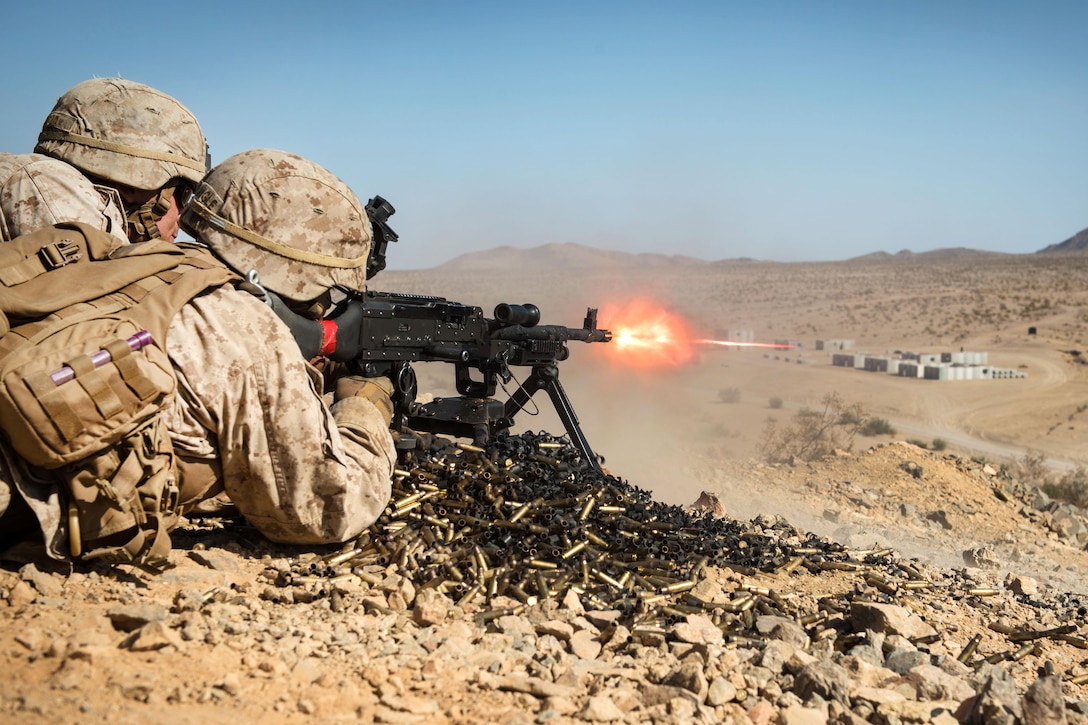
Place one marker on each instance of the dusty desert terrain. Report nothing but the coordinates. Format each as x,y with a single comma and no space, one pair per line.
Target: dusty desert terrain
678,438
221,638
935,302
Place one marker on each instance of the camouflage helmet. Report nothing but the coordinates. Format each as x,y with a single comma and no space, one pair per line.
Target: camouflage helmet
300,227
126,133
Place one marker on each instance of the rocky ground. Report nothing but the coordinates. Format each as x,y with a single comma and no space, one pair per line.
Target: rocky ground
471,601
945,509
889,584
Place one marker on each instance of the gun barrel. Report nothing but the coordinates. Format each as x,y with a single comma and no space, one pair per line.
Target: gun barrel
552,332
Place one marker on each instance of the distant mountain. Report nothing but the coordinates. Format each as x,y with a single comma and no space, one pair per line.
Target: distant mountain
933,255
1076,243
578,256
563,256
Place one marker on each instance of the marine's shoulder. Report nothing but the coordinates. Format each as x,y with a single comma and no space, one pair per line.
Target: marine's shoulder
14,163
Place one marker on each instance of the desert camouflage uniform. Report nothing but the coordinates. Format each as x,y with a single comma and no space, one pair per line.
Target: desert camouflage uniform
248,405
37,191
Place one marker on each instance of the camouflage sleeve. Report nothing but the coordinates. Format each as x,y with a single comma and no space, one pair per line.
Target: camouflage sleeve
37,191
297,471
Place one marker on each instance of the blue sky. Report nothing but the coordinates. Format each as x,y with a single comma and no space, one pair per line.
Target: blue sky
790,131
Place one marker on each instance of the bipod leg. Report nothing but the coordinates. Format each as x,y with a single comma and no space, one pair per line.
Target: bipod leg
546,377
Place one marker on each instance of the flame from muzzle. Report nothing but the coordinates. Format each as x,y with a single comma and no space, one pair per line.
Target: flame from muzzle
646,335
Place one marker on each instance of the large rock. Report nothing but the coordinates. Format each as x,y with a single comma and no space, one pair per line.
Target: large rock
824,678
889,619
1044,703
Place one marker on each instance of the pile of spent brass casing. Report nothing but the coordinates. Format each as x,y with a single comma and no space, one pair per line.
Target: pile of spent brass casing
526,518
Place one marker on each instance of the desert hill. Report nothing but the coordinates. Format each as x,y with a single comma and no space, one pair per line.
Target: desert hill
1076,243
933,255
560,256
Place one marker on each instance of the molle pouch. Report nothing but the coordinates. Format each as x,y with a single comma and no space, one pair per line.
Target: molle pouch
68,393
81,401
123,501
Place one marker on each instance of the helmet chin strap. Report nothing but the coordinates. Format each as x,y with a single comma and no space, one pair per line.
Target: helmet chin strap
143,220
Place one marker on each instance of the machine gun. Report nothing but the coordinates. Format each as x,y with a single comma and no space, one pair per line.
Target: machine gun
397,330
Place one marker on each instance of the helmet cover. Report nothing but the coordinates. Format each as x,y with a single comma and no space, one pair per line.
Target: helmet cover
126,133
293,221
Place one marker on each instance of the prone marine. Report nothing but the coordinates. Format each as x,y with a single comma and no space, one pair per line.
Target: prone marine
223,399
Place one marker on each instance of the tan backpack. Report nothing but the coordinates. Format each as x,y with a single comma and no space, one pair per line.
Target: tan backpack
84,374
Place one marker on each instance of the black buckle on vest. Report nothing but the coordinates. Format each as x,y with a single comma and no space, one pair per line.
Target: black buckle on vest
59,254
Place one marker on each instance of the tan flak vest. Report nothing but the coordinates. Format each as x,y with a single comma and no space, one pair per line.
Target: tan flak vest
84,374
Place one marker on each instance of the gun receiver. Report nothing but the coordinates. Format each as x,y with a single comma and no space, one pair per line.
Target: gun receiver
397,330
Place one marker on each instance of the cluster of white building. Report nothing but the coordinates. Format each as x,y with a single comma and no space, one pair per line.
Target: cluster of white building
962,365
928,366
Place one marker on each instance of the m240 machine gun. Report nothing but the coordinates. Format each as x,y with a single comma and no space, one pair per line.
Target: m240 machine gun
397,330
